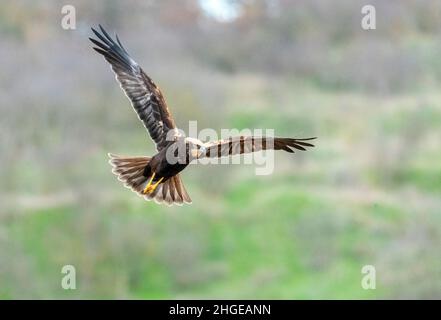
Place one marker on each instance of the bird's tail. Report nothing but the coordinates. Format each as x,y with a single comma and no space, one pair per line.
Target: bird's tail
130,171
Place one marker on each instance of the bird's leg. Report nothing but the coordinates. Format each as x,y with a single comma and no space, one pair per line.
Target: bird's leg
147,187
153,187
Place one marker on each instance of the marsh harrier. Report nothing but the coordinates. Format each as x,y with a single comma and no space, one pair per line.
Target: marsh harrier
158,177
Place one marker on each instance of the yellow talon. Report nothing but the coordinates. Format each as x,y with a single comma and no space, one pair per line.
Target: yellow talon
149,184
153,187
149,188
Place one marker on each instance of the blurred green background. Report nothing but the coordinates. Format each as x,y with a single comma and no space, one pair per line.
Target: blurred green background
368,194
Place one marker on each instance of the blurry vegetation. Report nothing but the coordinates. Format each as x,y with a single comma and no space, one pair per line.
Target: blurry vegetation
369,193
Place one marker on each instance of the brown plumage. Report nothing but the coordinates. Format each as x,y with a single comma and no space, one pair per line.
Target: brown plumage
130,171
247,144
158,177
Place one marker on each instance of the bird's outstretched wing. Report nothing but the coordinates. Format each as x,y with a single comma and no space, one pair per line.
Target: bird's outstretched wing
145,95
247,144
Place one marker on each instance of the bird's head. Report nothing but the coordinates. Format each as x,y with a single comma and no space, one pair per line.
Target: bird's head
195,148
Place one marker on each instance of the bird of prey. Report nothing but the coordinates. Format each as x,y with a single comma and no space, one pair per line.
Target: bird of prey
157,178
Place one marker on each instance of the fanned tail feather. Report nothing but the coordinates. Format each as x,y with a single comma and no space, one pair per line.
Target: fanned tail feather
130,171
